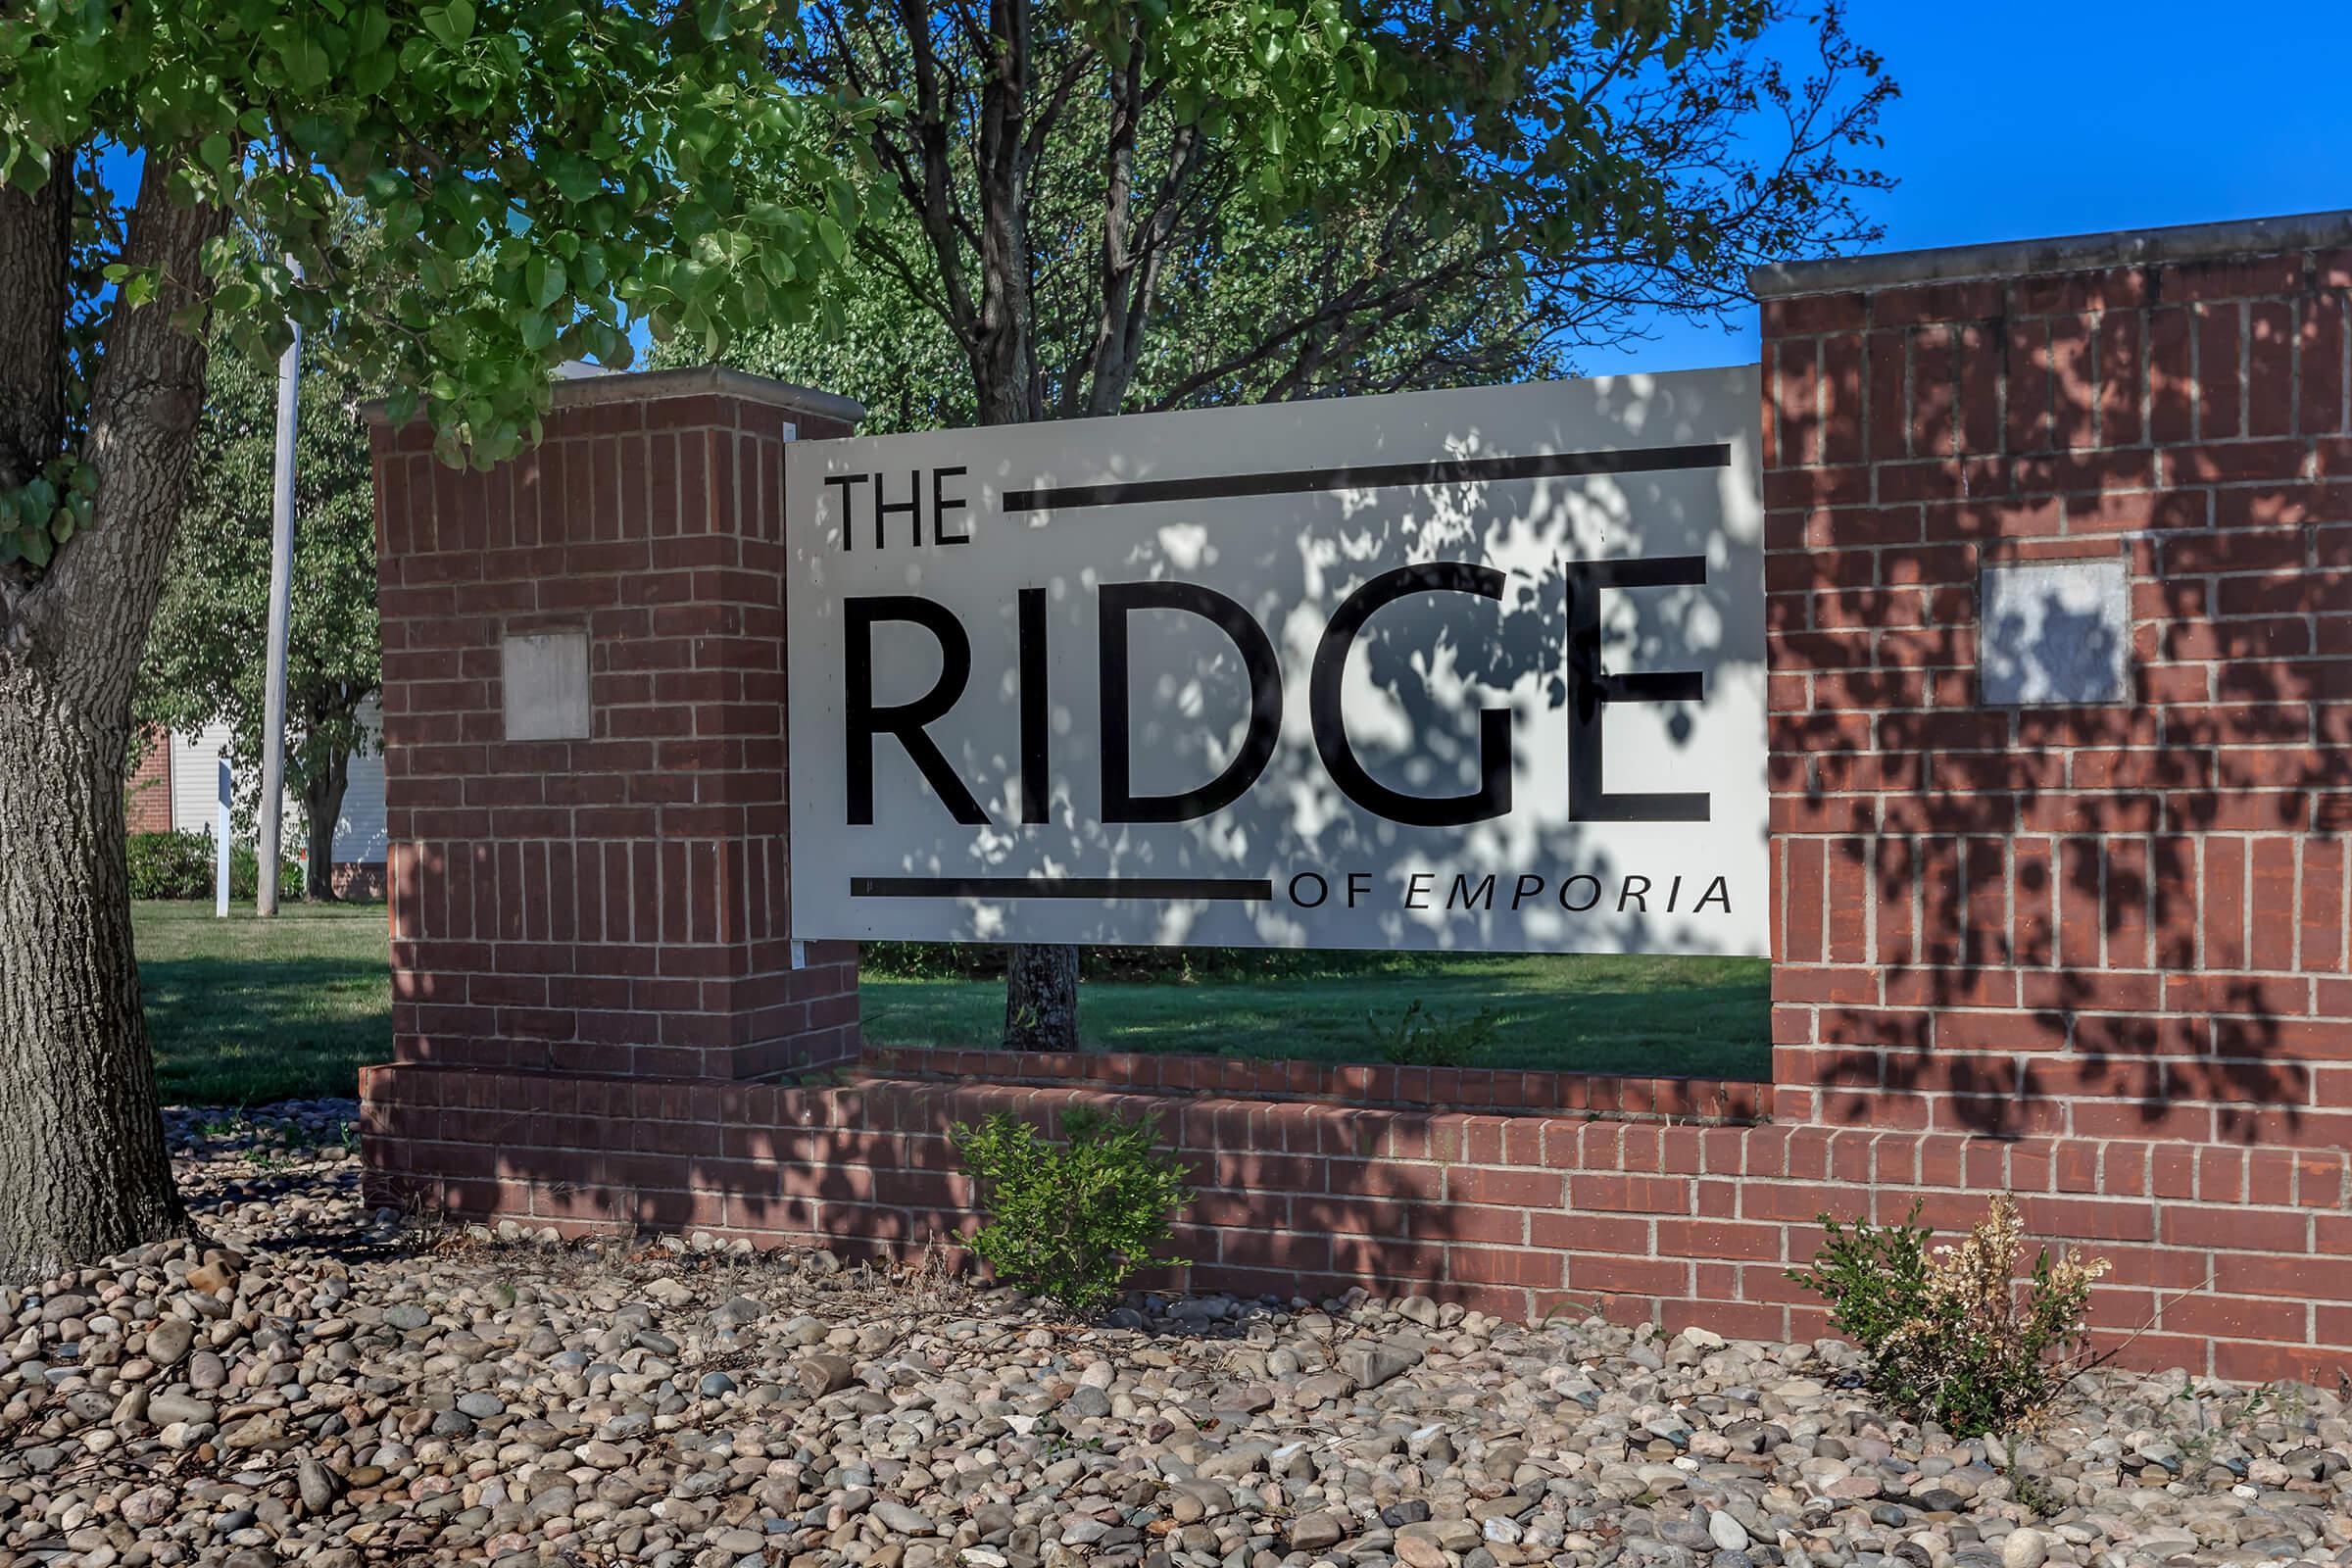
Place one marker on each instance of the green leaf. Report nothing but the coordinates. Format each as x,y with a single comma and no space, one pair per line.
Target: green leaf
372,70
301,55
545,280
29,170
369,31
436,23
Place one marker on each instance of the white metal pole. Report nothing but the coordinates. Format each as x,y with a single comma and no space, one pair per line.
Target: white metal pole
281,589
220,847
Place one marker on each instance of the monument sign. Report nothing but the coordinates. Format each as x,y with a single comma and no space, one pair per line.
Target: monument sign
1478,669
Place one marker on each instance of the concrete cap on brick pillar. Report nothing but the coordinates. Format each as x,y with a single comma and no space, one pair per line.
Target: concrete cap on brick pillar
576,391
2070,252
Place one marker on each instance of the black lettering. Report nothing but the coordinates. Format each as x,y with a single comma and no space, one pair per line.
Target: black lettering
1035,712
1480,897
1322,890
1359,885
911,508
1493,798
1529,886
1418,889
1579,908
941,500
904,721
1717,893
848,483
1119,802
1591,690
1636,888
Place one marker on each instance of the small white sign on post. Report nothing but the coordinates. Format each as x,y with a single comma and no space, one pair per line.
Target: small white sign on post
221,845
1478,669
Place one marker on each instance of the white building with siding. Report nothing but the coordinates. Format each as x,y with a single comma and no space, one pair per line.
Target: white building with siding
184,777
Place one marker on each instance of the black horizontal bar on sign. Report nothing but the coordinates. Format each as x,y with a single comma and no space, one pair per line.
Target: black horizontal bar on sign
1375,476
1240,889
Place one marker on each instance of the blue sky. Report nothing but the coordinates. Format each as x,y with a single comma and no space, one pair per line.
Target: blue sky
2073,117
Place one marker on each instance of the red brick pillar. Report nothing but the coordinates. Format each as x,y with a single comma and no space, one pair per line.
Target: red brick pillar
147,792
2102,921
584,740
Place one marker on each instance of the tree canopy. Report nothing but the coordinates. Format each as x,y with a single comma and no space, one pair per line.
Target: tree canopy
1195,201
542,171
201,664
891,351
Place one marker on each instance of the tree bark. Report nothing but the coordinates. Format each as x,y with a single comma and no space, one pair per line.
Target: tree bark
1041,997
322,810
36,239
1004,351
81,1142
80,1137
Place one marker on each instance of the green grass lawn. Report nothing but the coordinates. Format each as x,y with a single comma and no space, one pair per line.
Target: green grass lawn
245,1011
1660,1016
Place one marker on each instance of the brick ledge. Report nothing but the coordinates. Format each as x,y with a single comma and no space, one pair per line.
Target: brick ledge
2240,1258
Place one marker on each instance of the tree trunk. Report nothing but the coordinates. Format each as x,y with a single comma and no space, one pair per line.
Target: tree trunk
80,1134
1041,997
84,1171
322,810
1040,979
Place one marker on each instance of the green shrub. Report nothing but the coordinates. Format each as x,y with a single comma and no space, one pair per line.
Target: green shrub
169,865
1072,1219
1949,1337
180,865
245,872
1419,1038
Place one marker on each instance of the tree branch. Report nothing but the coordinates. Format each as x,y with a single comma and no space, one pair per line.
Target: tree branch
1004,364
1183,158
144,404
37,244
935,203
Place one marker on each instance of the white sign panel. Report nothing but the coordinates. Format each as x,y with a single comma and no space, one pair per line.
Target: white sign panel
1478,669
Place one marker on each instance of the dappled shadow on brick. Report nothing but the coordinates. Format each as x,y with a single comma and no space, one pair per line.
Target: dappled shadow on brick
2117,920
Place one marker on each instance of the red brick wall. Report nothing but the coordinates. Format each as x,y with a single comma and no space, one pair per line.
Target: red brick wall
615,903
2236,1262
147,792
2116,921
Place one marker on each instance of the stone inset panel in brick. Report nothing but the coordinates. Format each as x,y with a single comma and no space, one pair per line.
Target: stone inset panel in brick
2054,633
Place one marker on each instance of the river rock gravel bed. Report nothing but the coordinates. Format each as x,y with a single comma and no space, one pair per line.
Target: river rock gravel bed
317,1384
